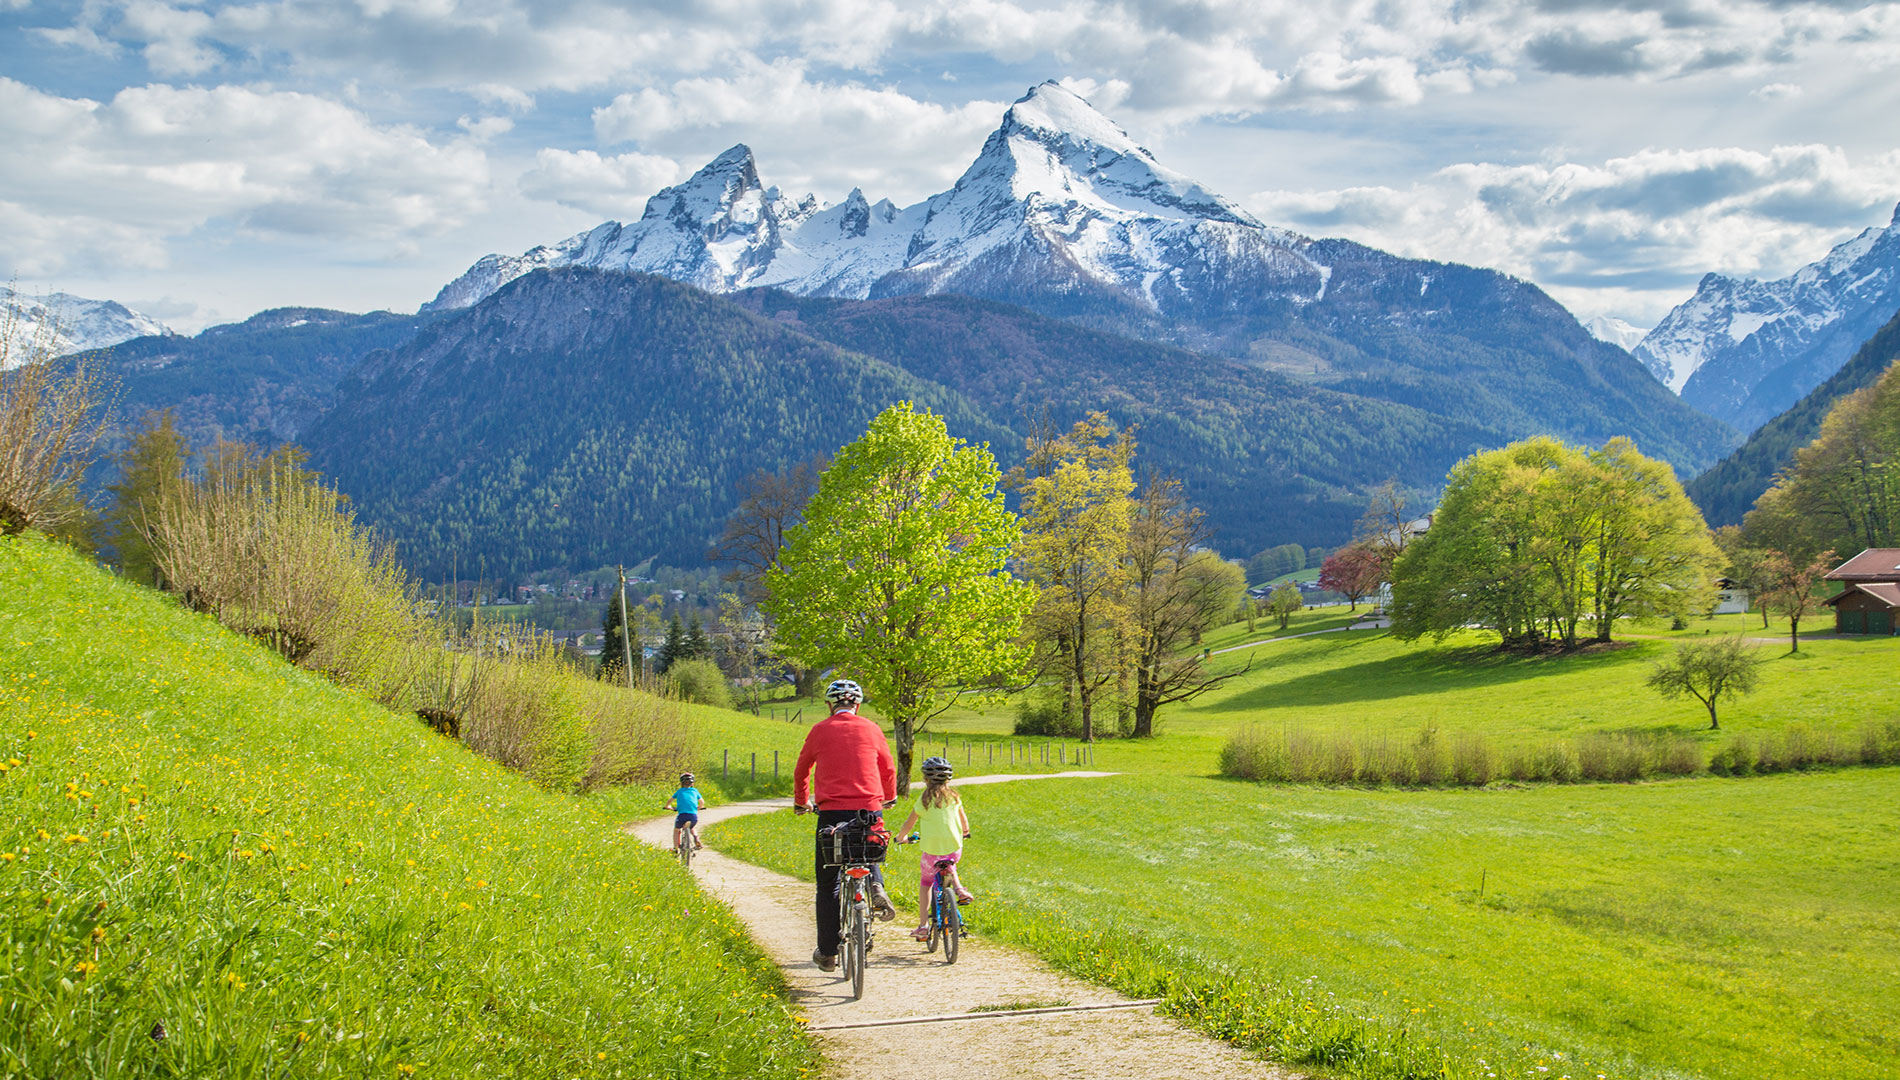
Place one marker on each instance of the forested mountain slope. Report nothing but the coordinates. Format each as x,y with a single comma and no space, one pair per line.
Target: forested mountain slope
1726,491
577,418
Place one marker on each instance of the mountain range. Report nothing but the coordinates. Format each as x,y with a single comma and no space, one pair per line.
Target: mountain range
598,400
69,324
1744,350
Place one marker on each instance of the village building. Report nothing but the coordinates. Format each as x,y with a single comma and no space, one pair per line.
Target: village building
1869,602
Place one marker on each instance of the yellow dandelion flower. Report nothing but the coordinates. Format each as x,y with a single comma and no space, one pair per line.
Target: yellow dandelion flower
85,968
98,934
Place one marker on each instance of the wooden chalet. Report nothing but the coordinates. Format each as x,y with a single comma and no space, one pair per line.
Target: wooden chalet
1869,602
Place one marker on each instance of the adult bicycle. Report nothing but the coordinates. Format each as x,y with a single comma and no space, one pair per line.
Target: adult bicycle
855,848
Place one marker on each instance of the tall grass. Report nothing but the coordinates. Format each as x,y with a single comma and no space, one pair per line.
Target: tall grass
276,555
1467,760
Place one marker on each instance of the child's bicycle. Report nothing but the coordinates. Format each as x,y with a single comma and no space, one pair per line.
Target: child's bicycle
854,852
689,839
946,918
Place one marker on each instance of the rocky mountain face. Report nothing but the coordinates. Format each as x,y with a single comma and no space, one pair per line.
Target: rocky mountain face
1745,350
1064,214
69,324
1728,491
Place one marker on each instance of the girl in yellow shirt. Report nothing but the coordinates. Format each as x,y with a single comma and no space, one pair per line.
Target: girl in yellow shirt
941,825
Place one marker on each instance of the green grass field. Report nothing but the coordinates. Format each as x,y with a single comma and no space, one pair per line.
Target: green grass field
212,863
1709,928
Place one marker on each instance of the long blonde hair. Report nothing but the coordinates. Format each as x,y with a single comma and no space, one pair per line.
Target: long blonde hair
938,793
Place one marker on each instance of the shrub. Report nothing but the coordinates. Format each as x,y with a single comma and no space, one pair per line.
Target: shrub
1880,744
1678,756
1472,762
1254,754
1734,758
1602,756
1550,762
51,417
700,682
1429,766
1046,714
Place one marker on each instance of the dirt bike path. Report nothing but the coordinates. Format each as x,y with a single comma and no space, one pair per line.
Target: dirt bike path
904,981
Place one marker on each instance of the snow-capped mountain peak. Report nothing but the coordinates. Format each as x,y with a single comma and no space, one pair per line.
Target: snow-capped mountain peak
1743,350
1055,146
61,323
1060,199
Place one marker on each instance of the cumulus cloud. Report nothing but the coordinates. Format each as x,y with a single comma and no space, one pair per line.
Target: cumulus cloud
614,187
1644,227
92,183
1183,60
808,135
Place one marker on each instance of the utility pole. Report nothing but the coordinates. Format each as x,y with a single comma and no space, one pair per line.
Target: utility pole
626,639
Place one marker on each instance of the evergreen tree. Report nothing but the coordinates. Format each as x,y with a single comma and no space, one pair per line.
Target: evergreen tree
613,647
673,648
696,646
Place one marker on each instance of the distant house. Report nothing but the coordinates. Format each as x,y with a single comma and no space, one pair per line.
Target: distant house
1731,599
1869,603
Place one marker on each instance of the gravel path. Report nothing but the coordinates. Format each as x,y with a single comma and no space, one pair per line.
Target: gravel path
904,981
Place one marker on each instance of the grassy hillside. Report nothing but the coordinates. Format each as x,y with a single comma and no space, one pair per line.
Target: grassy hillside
1730,929
213,863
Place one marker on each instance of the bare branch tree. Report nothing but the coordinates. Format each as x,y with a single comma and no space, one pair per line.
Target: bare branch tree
52,413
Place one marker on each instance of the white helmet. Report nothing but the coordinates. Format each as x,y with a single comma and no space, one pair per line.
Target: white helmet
843,692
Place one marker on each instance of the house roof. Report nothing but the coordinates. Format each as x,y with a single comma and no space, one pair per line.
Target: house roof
1886,592
1873,564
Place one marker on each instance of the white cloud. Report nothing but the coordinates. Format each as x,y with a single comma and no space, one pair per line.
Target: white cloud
485,128
102,183
828,137
1638,230
1779,91
614,187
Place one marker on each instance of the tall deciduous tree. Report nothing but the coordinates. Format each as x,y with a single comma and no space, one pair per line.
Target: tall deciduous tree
1842,491
1532,539
1076,514
1177,590
153,460
1284,601
897,574
770,504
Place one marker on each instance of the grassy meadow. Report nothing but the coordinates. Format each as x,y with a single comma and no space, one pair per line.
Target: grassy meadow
1705,927
1711,928
214,863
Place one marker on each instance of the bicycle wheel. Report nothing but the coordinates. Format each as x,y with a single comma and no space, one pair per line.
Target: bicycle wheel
952,927
688,837
935,915
860,934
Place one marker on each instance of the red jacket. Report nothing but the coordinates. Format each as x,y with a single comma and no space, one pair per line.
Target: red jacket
853,763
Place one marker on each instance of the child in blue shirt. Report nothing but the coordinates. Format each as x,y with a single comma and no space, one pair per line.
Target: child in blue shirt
687,800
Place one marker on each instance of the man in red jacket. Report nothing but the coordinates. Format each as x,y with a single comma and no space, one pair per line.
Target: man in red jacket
855,778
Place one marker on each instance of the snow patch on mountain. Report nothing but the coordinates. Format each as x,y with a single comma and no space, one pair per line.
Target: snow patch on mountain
60,323
1615,331
1742,350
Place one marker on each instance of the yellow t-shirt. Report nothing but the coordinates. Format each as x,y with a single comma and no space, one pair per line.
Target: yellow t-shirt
938,830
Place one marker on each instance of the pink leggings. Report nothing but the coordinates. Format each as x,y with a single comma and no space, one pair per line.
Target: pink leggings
927,867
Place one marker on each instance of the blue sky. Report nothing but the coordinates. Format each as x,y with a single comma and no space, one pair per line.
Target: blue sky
202,161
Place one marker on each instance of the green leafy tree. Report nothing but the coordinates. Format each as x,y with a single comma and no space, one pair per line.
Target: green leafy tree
1284,601
1076,513
897,573
1708,671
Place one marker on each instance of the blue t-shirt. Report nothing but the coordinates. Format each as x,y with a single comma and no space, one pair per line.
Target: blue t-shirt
687,799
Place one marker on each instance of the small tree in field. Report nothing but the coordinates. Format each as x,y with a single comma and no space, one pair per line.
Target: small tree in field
1791,587
1354,572
1284,602
1708,671
896,573
51,416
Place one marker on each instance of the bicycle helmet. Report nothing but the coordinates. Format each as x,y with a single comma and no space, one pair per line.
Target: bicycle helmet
686,779
937,769
843,692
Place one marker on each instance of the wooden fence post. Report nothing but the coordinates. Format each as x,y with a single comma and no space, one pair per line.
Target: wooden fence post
725,764
755,766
